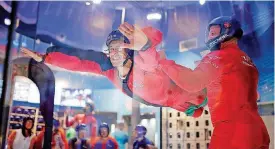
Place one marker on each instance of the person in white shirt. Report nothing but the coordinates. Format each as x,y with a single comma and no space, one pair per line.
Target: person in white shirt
22,138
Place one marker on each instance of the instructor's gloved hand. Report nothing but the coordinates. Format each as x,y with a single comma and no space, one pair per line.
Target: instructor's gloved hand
198,112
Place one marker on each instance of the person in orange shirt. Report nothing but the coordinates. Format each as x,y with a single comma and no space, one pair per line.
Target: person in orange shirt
86,118
104,141
58,138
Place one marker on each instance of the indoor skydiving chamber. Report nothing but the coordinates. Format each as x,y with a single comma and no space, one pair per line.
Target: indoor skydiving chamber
70,90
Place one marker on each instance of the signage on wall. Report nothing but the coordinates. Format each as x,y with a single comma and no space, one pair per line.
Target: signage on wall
75,97
21,91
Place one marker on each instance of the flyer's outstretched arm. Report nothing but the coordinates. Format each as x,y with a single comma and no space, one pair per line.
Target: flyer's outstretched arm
73,59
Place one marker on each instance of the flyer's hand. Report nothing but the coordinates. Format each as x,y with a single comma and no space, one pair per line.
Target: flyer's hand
135,35
31,54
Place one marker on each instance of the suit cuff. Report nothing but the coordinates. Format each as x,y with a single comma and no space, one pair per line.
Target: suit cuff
147,45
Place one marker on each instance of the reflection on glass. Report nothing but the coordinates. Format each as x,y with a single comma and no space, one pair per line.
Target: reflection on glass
85,100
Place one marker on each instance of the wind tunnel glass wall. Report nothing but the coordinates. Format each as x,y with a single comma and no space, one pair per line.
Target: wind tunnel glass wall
90,89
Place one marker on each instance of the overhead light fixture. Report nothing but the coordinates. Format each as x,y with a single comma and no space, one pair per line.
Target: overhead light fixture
202,2
96,1
7,21
88,3
154,16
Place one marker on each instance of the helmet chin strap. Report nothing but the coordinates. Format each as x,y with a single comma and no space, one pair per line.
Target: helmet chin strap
215,44
126,60
140,138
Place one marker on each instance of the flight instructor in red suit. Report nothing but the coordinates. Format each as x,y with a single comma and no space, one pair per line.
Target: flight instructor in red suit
86,118
231,80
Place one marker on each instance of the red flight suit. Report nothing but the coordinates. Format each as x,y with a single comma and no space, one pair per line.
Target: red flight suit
104,143
146,79
231,80
88,120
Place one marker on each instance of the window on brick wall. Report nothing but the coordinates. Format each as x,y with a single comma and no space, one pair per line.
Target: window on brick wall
205,112
197,134
178,114
170,145
170,135
170,125
197,145
187,124
180,124
170,114
210,133
206,123
179,146
197,123
188,146
188,134
179,135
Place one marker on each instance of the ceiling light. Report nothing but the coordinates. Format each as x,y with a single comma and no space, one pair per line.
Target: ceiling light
202,2
96,1
7,21
88,3
154,16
